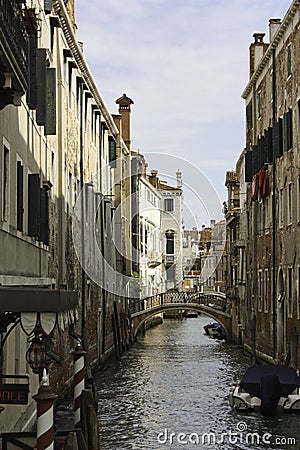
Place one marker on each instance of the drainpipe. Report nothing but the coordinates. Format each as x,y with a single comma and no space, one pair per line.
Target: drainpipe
102,316
274,214
81,162
254,290
60,171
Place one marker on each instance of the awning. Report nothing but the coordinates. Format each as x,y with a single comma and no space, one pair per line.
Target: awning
36,300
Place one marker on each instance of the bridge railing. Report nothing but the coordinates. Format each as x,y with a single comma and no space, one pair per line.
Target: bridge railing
213,300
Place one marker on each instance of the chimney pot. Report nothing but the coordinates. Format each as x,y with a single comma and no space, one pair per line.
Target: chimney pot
274,24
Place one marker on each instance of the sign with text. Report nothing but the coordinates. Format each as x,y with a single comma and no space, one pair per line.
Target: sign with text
14,394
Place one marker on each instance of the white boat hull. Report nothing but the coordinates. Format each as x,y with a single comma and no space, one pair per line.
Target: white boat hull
243,401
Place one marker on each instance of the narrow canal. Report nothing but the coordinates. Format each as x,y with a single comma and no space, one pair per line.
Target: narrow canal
171,392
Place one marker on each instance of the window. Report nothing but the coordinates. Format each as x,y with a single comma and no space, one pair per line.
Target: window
260,222
170,241
298,199
272,85
266,215
271,291
266,293
298,284
249,119
78,97
70,192
20,209
33,205
169,204
287,130
5,184
112,151
290,291
290,203
170,272
260,290
289,60
70,84
281,208
259,104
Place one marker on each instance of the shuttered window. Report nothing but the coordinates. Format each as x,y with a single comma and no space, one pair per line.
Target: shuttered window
50,125
41,86
268,143
112,149
287,130
277,139
38,209
289,60
20,208
48,6
255,160
249,120
44,216
32,73
33,205
248,167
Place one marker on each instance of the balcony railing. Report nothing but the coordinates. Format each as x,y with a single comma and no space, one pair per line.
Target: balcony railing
169,259
13,31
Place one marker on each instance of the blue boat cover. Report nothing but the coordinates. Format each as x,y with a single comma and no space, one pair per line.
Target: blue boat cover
251,381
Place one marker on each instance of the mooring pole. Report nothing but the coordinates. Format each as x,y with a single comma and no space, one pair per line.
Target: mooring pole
45,429
79,374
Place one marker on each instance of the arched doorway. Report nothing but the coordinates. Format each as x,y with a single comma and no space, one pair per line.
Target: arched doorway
281,317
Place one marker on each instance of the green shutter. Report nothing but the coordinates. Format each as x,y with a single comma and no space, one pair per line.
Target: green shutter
32,74
34,205
112,149
285,132
44,216
20,209
50,126
41,86
248,167
249,119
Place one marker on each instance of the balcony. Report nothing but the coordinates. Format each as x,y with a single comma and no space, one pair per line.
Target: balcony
154,260
13,53
169,260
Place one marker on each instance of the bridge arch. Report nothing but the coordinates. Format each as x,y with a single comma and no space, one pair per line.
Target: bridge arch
223,318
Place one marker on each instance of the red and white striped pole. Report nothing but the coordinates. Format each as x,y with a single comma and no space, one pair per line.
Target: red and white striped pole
79,374
45,429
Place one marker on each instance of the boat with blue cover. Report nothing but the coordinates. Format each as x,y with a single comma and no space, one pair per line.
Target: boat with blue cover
267,388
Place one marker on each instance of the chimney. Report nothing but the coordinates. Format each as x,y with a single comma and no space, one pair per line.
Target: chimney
117,118
212,223
274,24
124,103
153,178
179,179
257,50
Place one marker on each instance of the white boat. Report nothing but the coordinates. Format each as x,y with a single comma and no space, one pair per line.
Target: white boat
267,388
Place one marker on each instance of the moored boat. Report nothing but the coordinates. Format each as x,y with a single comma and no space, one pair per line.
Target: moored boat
267,388
215,330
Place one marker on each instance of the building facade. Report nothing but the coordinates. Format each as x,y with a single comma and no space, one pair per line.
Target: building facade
266,234
172,233
63,162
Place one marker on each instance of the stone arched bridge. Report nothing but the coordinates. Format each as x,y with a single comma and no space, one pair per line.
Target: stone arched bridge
213,304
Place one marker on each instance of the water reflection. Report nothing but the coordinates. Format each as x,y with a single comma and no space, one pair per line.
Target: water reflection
176,380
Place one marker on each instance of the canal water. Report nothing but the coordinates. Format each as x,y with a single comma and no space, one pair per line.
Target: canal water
170,391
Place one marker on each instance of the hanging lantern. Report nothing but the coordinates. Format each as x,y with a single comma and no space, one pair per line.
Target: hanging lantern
36,354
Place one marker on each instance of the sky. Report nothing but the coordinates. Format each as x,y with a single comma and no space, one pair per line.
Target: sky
184,63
